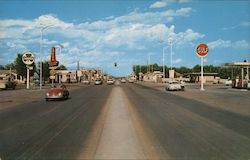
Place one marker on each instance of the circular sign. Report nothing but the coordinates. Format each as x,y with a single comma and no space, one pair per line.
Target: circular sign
28,58
201,50
52,72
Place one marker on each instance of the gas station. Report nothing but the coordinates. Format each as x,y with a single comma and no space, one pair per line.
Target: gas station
243,80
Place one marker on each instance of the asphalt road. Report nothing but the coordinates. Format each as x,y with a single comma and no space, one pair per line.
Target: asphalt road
189,129
164,126
51,130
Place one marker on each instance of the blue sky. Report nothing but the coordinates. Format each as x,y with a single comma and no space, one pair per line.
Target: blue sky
99,33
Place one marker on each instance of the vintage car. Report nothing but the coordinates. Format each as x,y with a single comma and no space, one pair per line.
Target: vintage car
86,81
174,86
110,81
7,82
123,80
98,81
55,93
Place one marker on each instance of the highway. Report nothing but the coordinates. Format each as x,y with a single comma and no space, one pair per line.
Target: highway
125,121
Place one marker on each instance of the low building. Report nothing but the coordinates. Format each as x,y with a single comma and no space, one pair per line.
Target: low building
73,76
12,74
156,76
196,77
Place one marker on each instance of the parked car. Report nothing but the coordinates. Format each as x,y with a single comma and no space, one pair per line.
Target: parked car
228,82
174,86
98,81
7,82
56,93
86,82
130,80
110,81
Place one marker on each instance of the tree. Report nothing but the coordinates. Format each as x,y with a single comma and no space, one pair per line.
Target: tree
196,68
2,67
9,66
183,70
45,72
62,67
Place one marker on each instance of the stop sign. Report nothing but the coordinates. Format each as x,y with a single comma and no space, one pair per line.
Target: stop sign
201,50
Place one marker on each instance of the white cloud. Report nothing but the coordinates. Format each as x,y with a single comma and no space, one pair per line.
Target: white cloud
164,3
149,18
15,23
179,60
245,24
51,20
158,4
96,43
242,24
241,44
219,44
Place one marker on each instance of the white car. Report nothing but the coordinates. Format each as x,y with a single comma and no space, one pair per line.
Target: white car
98,82
123,80
228,82
86,82
174,86
110,81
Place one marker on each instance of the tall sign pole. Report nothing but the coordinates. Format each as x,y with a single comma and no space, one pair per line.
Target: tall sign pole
53,65
201,50
28,58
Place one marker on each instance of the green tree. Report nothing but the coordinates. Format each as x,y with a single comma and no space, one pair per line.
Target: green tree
196,68
62,67
9,66
183,70
2,67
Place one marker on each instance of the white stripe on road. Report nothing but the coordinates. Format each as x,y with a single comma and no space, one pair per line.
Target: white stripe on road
119,139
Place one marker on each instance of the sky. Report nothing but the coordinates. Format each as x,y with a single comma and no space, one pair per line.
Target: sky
98,33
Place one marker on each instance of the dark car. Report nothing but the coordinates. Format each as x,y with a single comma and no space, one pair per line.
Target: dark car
7,82
60,92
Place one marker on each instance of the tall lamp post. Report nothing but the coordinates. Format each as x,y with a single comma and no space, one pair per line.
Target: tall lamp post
163,61
171,71
170,41
41,63
60,47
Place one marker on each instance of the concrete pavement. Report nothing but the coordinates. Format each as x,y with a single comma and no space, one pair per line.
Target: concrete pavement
119,139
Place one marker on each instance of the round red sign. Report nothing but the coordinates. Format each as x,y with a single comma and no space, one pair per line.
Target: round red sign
201,50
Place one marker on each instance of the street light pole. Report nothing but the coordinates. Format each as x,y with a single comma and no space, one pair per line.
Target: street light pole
171,53
163,61
41,63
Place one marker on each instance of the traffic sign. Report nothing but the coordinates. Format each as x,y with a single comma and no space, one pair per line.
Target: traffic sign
52,77
53,61
201,50
28,58
52,72
53,67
